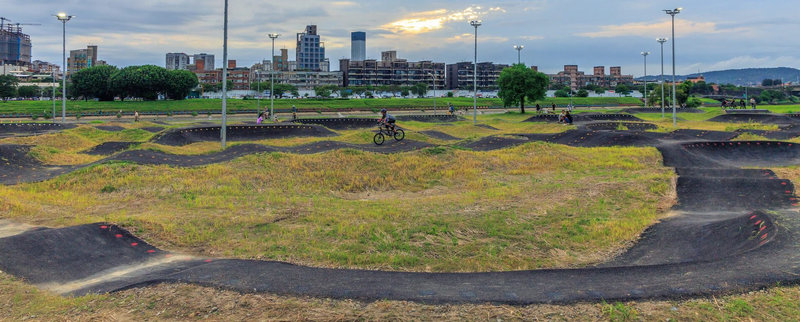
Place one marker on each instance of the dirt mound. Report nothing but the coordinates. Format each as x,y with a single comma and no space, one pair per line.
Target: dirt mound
7,129
658,110
772,135
585,138
631,126
109,128
341,123
693,239
428,118
109,148
494,143
731,154
695,135
747,111
241,133
585,117
152,157
440,135
152,129
17,166
755,118
486,126
552,118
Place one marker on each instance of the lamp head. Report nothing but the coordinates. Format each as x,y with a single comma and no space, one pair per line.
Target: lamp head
63,16
273,36
645,53
662,40
476,23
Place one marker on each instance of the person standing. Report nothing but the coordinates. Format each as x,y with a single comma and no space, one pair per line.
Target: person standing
294,112
753,103
554,107
136,116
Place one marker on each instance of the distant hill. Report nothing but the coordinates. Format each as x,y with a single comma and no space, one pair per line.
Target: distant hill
749,76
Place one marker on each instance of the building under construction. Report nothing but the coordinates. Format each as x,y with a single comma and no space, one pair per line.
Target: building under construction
15,46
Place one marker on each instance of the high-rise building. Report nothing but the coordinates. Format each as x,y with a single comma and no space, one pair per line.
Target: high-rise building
15,46
177,61
208,61
82,58
391,71
358,46
310,50
281,62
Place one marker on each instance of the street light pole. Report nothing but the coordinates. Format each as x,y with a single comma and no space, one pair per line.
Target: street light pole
272,80
53,96
258,86
519,55
63,17
476,24
223,128
662,41
674,87
645,53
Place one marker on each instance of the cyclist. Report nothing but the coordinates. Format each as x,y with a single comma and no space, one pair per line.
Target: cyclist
388,120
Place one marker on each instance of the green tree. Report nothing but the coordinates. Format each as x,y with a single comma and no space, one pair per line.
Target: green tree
181,83
345,93
561,93
28,91
419,89
405,92
94,82
518,83
582,93
599,90
8,86
622,89
323,91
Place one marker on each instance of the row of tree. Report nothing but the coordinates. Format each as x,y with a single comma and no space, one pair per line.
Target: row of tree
147,82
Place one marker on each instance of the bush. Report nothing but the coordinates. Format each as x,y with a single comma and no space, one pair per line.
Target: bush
194,113
34,116
561,93
108,189
582,93
450,94
119,115
694,102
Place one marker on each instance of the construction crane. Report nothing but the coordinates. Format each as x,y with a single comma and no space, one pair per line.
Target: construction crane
19,29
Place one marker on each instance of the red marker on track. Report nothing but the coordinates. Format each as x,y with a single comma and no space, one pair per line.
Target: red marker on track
134,244
103,227
118,235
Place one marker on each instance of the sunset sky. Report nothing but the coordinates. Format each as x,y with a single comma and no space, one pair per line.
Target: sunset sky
711,35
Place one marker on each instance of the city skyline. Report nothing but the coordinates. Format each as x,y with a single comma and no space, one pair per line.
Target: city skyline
554,33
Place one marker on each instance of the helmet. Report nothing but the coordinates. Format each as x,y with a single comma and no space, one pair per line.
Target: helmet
383,110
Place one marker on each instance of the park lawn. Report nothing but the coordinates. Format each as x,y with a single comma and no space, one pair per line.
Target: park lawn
203,105
21,301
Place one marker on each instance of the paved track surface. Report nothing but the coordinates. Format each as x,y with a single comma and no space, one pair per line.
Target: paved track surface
736,229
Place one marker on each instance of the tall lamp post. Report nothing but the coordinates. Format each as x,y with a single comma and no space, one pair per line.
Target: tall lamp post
223,128
672,13
53,96
476,24
433,76
63,17
645,53
662,41
272,80
519,53
258,88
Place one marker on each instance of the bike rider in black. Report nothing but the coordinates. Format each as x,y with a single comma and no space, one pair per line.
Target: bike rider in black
388,120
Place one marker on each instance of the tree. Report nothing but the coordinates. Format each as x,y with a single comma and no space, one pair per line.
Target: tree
404,92
599,90
582,93
94,82
28,91
419,89
622,89
181,83
518,83
145,82
322,91
8,86
345,93
561,93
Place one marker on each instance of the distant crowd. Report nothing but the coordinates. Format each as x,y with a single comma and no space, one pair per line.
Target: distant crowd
741,104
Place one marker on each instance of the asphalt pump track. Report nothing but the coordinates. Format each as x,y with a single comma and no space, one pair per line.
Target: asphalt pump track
735,229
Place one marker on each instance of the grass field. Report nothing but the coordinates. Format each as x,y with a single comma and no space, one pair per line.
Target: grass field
532,206
200,105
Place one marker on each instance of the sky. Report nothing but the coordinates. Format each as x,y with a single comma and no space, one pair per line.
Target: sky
710,34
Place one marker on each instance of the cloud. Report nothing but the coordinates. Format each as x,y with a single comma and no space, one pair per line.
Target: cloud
532,37
344,3
682,27
427,21
467,36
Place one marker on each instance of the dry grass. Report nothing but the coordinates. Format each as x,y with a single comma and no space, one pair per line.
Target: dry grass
533,206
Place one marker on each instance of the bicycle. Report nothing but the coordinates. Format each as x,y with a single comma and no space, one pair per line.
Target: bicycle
384,130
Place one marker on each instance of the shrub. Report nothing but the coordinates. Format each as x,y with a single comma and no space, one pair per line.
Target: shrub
108,189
